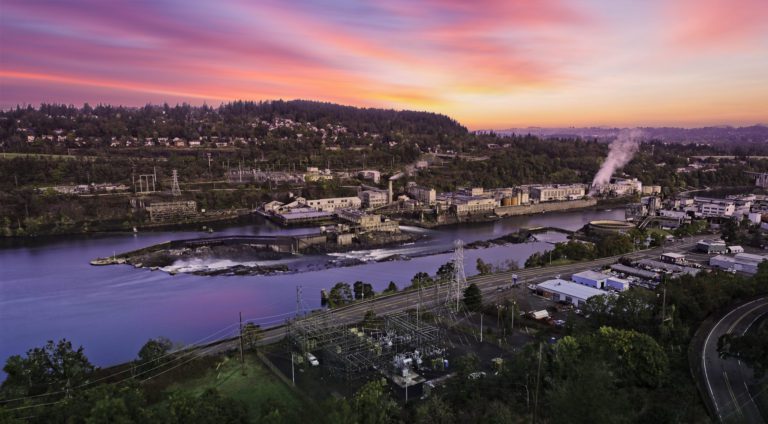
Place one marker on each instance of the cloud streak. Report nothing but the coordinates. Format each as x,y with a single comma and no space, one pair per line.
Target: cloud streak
487,63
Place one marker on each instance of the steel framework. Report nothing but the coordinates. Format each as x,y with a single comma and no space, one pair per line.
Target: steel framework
351,351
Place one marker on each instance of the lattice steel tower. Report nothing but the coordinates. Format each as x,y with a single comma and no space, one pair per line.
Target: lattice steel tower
175,190
459,282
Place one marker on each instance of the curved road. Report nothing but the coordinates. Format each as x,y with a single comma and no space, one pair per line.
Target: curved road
726,380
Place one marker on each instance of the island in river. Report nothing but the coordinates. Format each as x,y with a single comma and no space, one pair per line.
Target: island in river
268,255
255,255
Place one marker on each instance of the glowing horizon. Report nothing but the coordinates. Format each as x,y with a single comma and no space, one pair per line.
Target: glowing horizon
490,64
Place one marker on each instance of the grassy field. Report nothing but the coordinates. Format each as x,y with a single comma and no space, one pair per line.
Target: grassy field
659,231
43,155
561,261
258,388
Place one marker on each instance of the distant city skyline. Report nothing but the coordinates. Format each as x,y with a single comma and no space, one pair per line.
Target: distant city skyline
491,64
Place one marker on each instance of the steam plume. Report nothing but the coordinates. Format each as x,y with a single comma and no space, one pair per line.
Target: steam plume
623,148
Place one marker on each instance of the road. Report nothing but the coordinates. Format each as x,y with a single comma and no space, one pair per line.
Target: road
488,284
726,380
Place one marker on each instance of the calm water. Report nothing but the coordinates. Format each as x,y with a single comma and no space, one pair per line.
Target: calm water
48,290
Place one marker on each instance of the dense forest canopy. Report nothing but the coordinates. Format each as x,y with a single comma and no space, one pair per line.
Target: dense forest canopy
236,119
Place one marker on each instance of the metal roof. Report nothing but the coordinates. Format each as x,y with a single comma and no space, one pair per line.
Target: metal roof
569,288
634,271
592,275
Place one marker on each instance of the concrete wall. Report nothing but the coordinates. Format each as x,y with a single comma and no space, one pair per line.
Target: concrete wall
545,207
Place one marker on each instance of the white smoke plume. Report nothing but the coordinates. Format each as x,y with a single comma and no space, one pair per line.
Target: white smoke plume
623,148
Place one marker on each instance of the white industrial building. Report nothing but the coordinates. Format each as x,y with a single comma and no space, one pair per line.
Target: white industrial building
590,278
557,192
710,208
711,246
560,290
370,174
673,258
622,187
424,195
331,204
469,205
616,283
372,199
741,262
651,189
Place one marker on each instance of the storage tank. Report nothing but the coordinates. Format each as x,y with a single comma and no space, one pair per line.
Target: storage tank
506,201
514,201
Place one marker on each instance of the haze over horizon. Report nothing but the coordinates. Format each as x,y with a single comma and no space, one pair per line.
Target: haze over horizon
489,65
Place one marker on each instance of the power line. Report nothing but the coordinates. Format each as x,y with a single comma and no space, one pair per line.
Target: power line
175,352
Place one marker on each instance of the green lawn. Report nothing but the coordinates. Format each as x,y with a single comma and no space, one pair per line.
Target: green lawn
561,261
659,231
256,388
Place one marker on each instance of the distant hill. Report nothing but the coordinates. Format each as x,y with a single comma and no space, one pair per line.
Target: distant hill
705,135
235,119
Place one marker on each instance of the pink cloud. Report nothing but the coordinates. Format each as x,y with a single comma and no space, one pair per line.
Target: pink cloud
718,24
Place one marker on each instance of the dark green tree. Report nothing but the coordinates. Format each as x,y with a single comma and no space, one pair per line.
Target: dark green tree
445,272
752,348
362,290
391,288
340,295
154,353
373,404
483,268
473,298
421,279
105,403
252,333
52,368
208,408
434,411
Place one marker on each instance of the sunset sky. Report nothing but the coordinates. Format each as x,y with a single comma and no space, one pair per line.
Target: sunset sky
486,63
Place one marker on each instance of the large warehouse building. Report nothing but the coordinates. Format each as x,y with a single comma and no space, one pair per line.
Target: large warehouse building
590,278
741,262
560,290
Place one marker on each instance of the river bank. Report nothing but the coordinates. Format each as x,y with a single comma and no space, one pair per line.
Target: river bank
59,229
502,212
49,290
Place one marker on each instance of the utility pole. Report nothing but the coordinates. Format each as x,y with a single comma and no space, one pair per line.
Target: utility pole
512,317
210,174
242,357
536,393
293,374
481,327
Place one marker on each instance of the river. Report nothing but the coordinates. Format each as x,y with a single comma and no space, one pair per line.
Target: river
48,289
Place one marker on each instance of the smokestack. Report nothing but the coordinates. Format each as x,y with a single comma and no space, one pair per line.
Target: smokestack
622,150
389,192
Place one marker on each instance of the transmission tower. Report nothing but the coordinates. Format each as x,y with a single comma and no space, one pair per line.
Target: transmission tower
459,282
175,190
299,301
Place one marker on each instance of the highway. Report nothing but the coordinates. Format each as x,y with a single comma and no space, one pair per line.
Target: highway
488,284
726,380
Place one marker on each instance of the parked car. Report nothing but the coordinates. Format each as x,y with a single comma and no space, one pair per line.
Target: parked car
312,359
